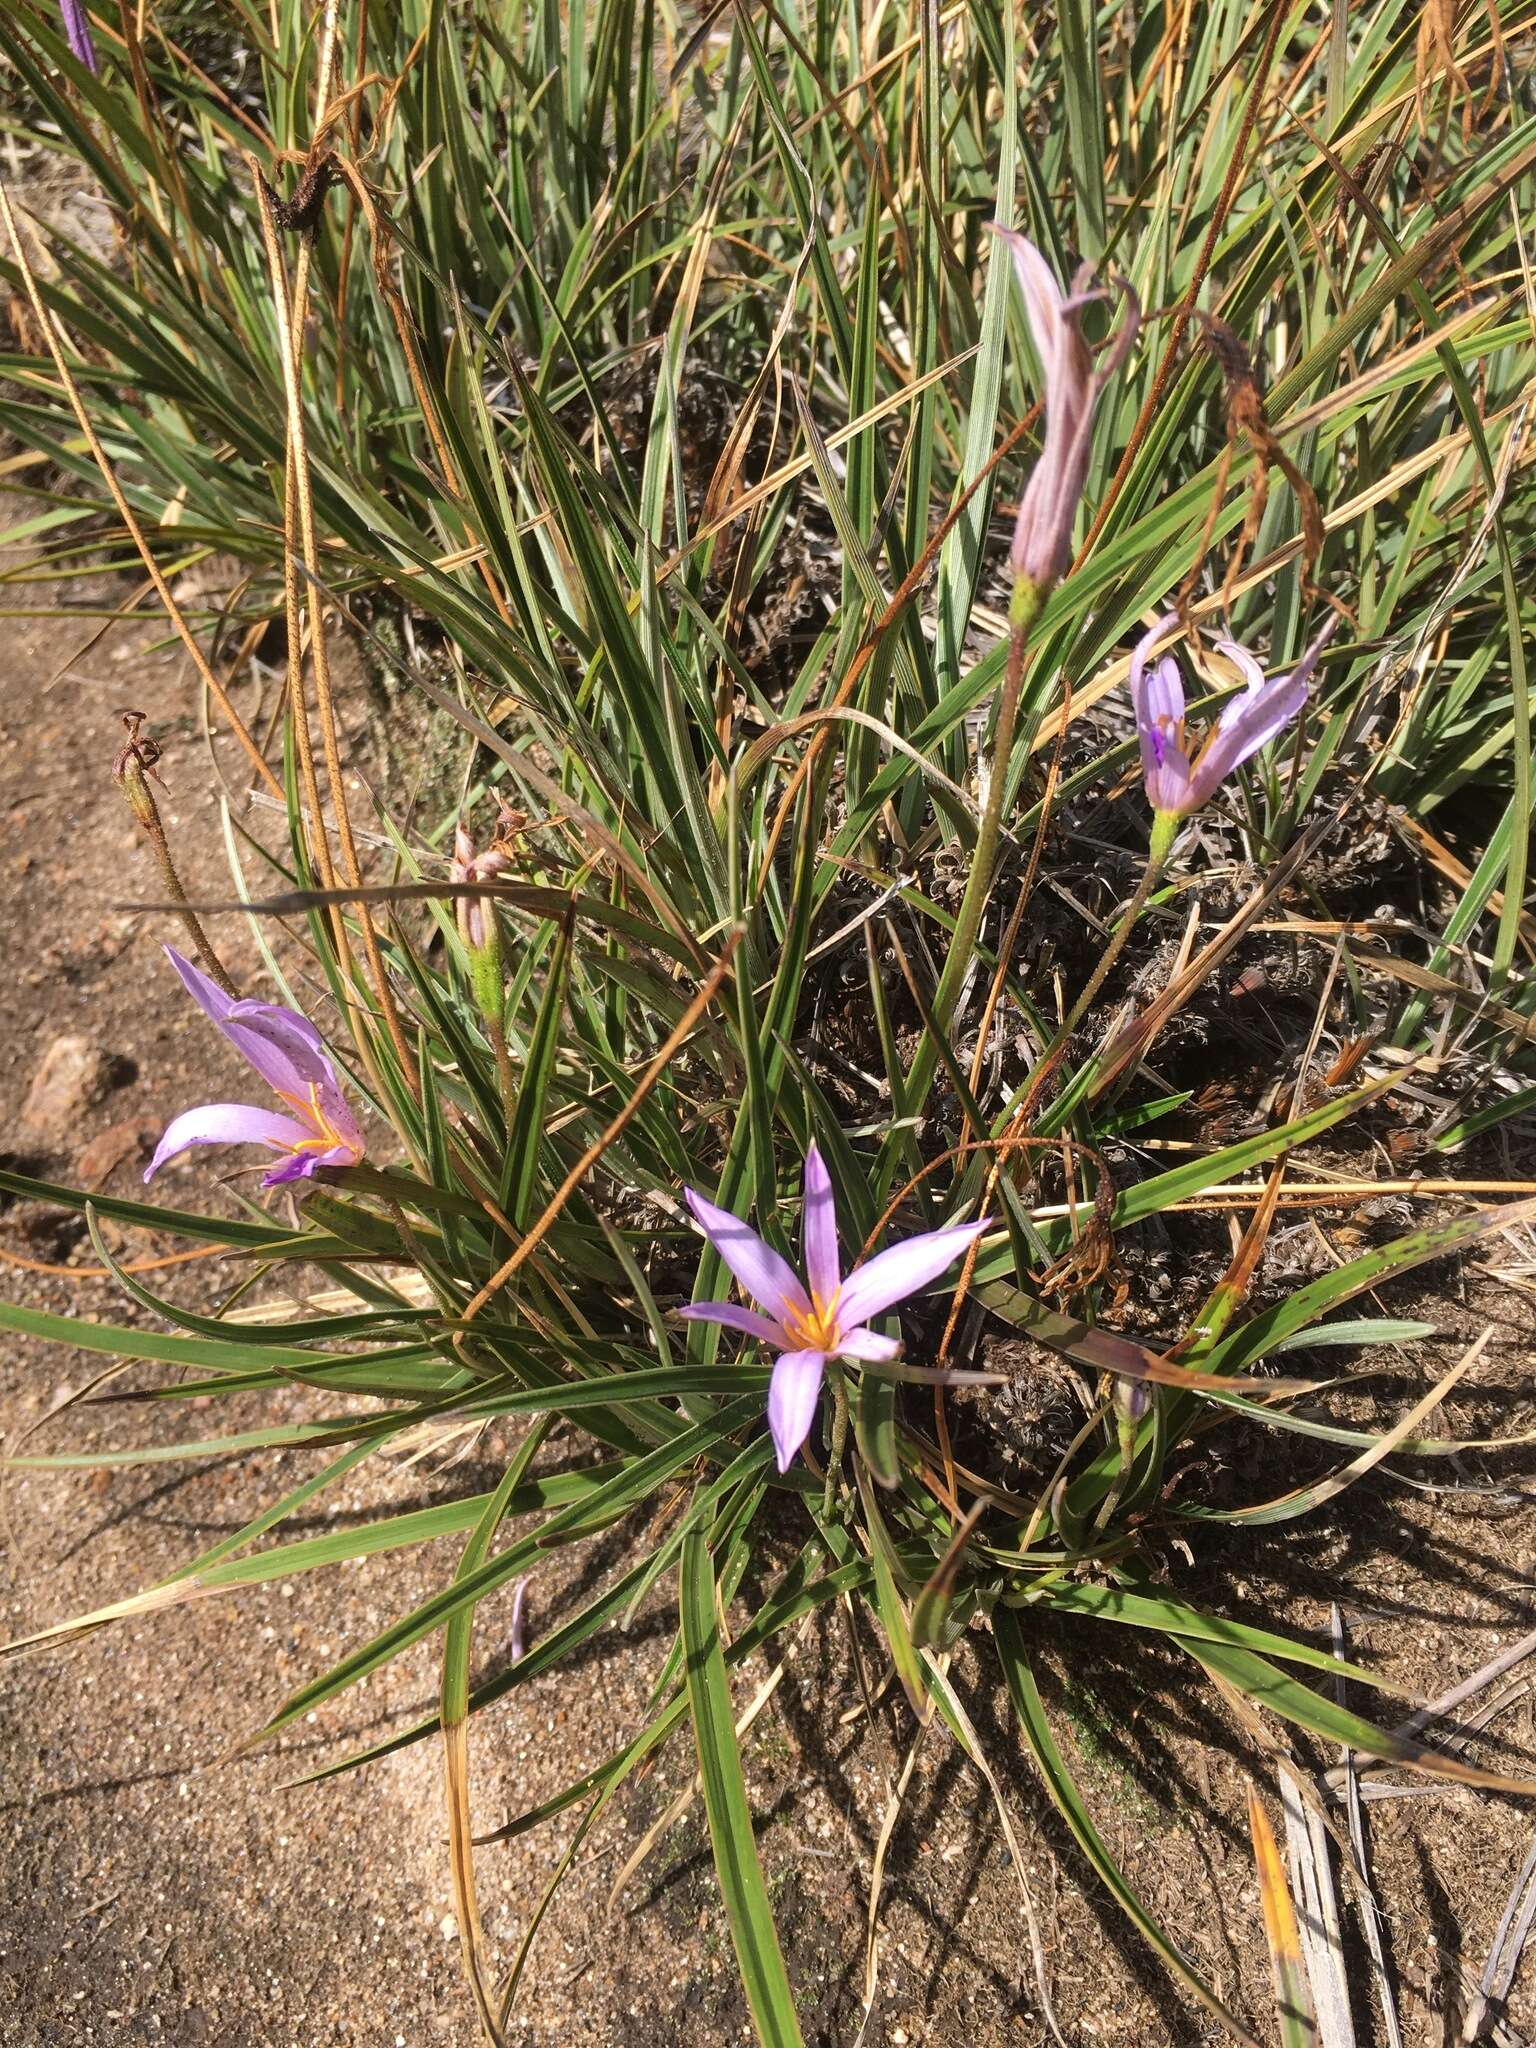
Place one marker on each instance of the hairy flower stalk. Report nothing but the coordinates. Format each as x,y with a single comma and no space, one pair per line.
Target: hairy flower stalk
814,1322
316,1126
133,766
1040,555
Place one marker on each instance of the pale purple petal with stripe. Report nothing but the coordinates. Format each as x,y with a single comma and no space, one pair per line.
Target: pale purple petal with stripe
280,1044
1041,550
1166,773
1043,297
868,1347
207,995
289,1054
894,1274
746,1320
1248,667
757,1266
1260,717
77,29
819,1230
792,1396
1255,717
226,1123
1157,691
1163,692
284,1048
338,1114
1157,700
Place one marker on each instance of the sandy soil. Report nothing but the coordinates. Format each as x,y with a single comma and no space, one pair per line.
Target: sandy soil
151,1890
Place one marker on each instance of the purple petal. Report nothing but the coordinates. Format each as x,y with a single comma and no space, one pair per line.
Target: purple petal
345,1128
1157,699
1157,692
1163,693
759,1269
792,1396
297,1166
1248,666
207,995
226,1123
283,1047
868,1346
1168,778
289,1054
819,1230
894,1274
77,29
1260,716
747,1320
1042,536
1043,297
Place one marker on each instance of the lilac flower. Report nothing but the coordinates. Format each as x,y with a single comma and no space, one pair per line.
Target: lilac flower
77,28
1042,538
1175,784
823,1318
286,1051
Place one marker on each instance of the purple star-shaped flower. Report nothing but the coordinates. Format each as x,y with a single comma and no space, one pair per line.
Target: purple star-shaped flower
287,1052
1177,785
811,1322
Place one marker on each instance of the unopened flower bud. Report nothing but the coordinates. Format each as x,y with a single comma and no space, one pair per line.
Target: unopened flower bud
1132,1400
476,918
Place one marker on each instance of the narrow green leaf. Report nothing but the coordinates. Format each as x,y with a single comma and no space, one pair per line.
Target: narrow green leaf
758,1954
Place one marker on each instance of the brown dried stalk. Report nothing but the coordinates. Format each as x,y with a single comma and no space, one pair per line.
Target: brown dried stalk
1246,417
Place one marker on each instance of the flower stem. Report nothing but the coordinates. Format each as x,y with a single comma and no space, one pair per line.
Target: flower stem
1023,611
133,780
1051,1058
839,1444
506,1073
1116,946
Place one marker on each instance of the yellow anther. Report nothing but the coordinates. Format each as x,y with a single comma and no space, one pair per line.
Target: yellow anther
814,1328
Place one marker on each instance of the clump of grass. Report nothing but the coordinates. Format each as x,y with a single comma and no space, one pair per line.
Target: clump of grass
649,401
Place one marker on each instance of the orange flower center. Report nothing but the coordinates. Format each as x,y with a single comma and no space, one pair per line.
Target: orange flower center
814,1328
326,1136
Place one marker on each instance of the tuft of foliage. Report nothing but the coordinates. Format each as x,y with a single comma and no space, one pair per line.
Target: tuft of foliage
645,395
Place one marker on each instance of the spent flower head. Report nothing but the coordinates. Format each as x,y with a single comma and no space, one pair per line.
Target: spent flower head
286,1050
823,1317
1042,536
